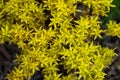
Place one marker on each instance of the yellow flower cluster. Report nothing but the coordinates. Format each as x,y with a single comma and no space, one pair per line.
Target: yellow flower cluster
100,7
50,36
113,29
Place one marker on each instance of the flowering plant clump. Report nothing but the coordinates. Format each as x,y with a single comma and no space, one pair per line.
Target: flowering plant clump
49,35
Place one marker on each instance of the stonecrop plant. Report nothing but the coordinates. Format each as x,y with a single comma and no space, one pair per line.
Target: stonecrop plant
52,33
